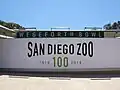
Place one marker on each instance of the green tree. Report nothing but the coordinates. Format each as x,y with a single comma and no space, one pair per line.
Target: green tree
107,26
114,25
11,25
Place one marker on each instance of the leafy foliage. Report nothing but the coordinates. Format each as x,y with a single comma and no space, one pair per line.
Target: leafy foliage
11,25
115,25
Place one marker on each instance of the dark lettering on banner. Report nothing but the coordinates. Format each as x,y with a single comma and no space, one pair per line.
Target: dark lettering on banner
60,53
85,49
90,48
65,50
59,48
35,49
29,48
42,49
49,49
71,49
54,49
79,48
82,49
60,34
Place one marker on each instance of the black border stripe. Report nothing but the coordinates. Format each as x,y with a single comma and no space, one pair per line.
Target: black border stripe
70,34
75,74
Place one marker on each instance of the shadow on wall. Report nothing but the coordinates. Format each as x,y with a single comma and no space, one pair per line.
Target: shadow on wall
87,74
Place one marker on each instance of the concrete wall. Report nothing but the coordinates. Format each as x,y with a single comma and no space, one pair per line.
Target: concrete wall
1,50
105,55
111,34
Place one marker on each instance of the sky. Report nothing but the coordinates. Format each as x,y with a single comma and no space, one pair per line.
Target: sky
46,14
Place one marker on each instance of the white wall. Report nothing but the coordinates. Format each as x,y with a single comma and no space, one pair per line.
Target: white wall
106,54
1,52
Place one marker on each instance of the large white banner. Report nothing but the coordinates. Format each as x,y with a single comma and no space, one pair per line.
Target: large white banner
61,54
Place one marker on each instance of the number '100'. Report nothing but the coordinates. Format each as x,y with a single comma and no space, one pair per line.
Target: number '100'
60,62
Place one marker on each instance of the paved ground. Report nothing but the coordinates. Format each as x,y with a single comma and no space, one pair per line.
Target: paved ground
40,83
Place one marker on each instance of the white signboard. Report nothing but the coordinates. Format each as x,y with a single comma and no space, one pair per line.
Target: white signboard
61,54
